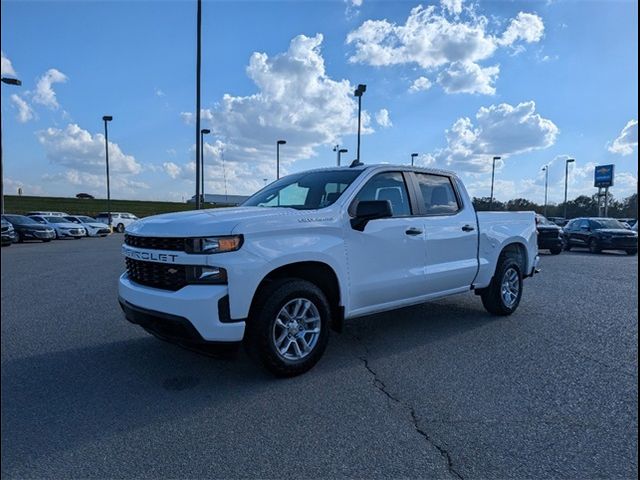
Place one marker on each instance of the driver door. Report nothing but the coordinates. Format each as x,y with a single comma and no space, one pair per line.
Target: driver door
387,260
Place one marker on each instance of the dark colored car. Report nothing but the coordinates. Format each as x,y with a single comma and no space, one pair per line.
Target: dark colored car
599,234
28,229
550,235
8,234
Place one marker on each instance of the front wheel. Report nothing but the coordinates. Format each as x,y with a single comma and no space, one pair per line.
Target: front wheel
503,294
593,246
555,250
288,328
120,228
632,251
45,240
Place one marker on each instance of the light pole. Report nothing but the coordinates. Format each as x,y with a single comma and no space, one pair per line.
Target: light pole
566,177
106,119
493,175
17,83
358,93
203,132
198,70
278,143
545,169
340,152
413,157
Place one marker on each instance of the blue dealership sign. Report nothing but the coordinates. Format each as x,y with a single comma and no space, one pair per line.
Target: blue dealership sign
603,176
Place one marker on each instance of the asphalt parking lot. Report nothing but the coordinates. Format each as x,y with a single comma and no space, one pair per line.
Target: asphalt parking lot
442,390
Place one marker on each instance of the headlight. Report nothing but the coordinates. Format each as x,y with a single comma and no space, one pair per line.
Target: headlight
209,245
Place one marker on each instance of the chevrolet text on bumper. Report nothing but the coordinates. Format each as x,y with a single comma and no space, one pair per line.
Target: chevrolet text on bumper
315,248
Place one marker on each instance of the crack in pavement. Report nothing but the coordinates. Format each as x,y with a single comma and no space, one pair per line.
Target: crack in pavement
379,384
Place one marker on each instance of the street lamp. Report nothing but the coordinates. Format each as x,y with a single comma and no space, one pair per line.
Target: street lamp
545,169
107,118
566,177
15,82
278,143
493,174
198,75
358,93
203,132
339,152
413,157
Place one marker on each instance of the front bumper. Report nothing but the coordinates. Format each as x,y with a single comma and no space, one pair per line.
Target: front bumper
195,313
72,233
549,242
39,234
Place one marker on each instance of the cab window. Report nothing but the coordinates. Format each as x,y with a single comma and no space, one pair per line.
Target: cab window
387,186
437,194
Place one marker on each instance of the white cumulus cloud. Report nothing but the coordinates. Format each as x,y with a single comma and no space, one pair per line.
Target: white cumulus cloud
25,112
6,67
76,148
453,38
503,130
627,142
44,93
468,77
296,100
420,84
383,119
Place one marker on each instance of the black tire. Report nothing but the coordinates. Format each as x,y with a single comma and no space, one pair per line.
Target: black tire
491,296
593,246
20,238
77,238
120,228
567,246
259,338
46,240
632,251
555,250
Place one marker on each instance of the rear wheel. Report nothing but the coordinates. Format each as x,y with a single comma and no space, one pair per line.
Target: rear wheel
288,328
555,250
45,240
593,246
632,251
77,238
503,295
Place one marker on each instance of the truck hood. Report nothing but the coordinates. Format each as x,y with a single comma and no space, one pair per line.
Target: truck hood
202,223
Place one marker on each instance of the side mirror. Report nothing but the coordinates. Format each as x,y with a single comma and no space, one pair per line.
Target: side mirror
367,210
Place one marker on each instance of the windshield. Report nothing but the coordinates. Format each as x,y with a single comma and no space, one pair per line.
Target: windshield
304,191
56,220
20,220
545,221
607,223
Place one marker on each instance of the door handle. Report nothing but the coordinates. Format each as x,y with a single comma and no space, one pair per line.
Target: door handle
468,228
413,231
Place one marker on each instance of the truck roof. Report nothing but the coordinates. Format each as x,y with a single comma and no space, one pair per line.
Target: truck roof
385,166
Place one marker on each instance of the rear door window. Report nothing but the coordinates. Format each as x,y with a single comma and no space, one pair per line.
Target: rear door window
387,186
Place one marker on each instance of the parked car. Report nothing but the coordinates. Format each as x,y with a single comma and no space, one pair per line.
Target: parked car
550,235
314,248
27,228
8,233
119,220
47,214
560,221
598,233
85,196
62,227
91,225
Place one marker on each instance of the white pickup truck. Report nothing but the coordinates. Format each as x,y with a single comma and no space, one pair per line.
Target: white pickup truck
315,248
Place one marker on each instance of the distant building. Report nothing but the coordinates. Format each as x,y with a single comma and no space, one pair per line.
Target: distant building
215,199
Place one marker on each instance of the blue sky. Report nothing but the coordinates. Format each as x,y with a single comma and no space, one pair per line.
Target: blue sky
458,82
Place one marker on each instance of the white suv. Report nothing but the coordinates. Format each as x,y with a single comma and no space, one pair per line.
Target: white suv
119,220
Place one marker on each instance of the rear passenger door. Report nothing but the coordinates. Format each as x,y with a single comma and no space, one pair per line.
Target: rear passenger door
450,232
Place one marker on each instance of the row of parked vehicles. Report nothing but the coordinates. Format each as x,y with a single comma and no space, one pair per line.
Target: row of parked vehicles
47,226
594,233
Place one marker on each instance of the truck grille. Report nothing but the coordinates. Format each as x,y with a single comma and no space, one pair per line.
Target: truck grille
157,275
156,243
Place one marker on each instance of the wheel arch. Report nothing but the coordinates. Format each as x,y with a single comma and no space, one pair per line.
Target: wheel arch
317,272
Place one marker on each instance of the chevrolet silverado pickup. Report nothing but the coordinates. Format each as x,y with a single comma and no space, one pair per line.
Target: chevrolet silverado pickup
316,248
